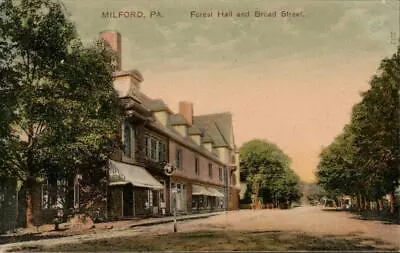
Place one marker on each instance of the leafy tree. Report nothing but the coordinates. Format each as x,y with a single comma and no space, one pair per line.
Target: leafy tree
267,169
376,125
64,114
364,160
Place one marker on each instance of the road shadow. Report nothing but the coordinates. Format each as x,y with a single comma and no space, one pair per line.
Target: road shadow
334,210
5,239
222,241
370,215
383,217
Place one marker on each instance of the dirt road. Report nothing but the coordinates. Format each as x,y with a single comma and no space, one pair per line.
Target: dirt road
312,220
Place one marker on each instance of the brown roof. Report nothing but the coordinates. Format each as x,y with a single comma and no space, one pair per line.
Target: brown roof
177,119
218,125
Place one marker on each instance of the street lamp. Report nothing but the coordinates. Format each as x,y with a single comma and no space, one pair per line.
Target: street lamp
169,169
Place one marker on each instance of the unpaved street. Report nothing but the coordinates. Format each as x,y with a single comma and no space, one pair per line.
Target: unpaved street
311,220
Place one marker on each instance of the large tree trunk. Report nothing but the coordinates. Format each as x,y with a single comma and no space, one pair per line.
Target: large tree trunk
366,207
29,219
362,206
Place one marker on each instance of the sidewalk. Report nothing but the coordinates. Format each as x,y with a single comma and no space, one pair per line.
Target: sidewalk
154,221
106,229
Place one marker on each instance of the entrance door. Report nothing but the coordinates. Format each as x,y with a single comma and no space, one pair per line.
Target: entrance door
128,200
178,197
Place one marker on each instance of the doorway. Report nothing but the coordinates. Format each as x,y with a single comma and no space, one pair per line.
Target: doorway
128,200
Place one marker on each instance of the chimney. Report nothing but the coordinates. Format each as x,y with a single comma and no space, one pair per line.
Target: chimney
186,110
113,38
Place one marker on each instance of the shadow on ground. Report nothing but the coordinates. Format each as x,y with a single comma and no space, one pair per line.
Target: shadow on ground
385,217
4,239
222,241
334,210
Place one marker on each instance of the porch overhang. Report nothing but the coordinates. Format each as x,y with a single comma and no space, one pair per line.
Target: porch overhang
123,173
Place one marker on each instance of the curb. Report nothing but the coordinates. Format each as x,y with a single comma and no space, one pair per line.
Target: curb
150,223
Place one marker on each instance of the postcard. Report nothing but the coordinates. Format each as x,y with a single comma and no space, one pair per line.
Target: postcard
166,125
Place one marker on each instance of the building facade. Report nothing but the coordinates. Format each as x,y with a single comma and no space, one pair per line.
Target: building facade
201,149
198,150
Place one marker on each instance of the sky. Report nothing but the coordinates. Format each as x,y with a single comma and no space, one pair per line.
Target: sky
289,80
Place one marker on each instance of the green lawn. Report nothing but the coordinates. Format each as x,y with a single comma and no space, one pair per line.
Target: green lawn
223,241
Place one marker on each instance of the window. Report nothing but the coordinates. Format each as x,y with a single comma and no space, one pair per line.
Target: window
197,165
162,192
233,159
210,174
155,149
162,151
220,174
127,140
150,198
178,158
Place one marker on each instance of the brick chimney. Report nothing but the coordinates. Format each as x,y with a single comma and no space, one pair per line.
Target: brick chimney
113,38
186,110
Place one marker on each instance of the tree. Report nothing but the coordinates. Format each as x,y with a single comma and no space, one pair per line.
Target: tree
376,125
267,170
364,160
65,113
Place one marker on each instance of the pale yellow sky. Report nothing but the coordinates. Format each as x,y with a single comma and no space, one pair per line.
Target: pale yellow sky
292,81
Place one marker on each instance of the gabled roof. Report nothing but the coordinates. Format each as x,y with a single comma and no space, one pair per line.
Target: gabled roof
171,132
206,138
177,119
157,105
194,130
186,141
218,125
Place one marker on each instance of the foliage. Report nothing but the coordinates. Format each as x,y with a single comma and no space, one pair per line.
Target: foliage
364,159
60,112
267,171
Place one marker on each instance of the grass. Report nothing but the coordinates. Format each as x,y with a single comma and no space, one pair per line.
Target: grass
222,241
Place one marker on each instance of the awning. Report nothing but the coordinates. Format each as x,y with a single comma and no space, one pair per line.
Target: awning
200,190
215,192
206,191
123,173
